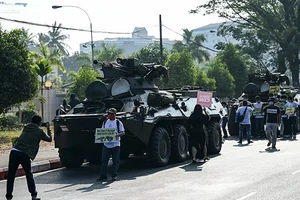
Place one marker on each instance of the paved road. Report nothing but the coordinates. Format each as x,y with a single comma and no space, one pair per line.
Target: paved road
240,172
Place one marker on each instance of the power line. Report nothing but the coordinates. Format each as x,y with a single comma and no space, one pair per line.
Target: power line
65,28
200,45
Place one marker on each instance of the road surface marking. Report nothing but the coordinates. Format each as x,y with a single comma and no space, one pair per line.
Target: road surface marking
246,196
296,172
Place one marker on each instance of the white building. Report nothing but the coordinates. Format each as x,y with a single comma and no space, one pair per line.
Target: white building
210,33
138,40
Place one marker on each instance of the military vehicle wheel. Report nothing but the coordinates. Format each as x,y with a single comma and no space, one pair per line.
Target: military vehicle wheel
214,138
159,148
71,158
179,144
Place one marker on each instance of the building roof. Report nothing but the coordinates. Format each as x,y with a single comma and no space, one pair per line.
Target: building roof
210,26
140,29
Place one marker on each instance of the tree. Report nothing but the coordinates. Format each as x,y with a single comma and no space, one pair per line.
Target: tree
277,20
29,37
224,80
203,81
182,69
73,63
82,79
193,45
53,56
42,68
57,39
235,62
19,82
109,53
151,54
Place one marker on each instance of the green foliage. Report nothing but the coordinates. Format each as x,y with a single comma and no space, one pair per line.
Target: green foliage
151,54
109,53
19,81
73,63
9,122
203,81
224,80
235,62
277,22
26,115
182,69
193,45
82,79
43,67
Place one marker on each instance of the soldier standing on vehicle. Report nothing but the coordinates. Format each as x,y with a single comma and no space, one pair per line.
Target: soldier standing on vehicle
74,100
111,148
243,115
24,150
272,119
259,118
290,110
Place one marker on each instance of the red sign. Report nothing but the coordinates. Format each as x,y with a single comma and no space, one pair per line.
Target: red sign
204,99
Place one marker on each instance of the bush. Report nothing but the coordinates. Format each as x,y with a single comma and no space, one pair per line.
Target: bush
26,116
9,122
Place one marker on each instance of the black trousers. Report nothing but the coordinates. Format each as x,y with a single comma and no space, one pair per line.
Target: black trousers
16,158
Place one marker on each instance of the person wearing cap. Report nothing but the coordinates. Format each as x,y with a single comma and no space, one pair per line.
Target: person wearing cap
259,118
272,120
111,148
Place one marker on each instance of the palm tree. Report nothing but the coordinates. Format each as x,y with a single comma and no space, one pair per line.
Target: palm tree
193,45
109,53
56,39
43,38
29,37
53,56
42,68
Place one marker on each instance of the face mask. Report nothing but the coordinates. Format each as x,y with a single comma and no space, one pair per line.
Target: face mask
271,103
111,117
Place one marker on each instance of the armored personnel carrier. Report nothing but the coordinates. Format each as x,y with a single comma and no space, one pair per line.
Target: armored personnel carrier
263,85
154,119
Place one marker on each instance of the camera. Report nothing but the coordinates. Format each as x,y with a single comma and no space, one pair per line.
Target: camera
45,124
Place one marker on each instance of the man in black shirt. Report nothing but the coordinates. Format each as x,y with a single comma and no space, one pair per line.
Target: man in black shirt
272,120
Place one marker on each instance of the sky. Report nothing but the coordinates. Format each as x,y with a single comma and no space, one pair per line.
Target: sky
106,15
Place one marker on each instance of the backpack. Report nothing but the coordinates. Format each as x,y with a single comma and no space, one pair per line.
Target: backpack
118,125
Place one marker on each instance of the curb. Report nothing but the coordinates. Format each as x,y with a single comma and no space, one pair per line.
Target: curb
39,166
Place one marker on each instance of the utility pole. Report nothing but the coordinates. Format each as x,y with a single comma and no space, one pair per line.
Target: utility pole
160,41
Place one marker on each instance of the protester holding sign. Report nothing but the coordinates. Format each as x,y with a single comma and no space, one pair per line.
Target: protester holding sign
198,136
281,103
259,118
110,147
290,110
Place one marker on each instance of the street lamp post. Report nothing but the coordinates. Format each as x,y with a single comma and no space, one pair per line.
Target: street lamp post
91,26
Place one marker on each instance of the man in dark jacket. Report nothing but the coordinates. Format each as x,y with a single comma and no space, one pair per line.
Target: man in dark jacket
24,150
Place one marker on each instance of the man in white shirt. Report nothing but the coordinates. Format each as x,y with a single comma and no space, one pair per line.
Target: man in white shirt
246,123
259,118
290,110
111,148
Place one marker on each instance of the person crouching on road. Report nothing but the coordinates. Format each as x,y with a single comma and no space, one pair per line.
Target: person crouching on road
24,150
111,148
245,111
272,119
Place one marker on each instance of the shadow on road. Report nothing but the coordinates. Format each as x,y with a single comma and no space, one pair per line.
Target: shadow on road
87,174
